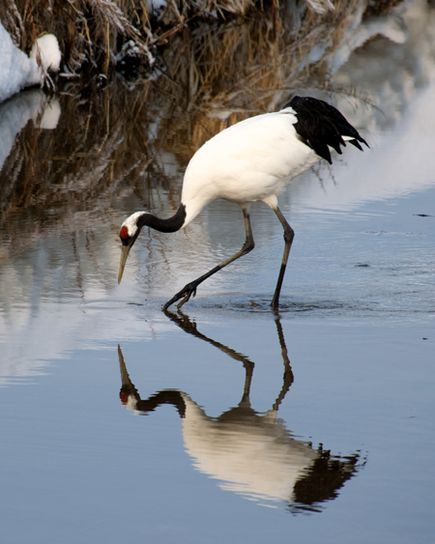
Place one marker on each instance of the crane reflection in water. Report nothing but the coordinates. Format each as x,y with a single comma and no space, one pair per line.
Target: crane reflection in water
250,453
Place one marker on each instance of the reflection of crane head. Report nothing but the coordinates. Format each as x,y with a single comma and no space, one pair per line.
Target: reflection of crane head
128,393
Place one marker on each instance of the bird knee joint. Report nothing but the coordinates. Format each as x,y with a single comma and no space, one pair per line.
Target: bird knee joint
289,235
248,246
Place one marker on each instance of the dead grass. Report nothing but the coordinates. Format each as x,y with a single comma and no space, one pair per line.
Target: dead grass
97,36
115,143
221,74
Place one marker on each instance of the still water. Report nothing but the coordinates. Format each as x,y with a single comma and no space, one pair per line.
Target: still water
225,422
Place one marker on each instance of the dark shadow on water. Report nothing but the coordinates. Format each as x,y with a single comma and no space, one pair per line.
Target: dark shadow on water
261,304
250,453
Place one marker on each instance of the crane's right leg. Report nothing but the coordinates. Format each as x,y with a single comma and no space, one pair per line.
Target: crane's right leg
190,289
288,239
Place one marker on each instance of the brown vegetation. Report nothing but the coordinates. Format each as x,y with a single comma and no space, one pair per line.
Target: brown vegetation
99,36
115,143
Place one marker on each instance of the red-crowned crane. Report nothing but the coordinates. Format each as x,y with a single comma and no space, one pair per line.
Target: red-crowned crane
250,161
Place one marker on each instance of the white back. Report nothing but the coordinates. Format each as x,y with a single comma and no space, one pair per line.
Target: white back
246,162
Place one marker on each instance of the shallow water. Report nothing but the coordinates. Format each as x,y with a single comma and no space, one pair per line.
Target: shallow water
226,422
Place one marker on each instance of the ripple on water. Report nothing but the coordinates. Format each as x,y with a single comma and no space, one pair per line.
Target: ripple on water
261,304
356,308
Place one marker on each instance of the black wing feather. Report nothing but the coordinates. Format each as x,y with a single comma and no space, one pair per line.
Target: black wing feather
320,126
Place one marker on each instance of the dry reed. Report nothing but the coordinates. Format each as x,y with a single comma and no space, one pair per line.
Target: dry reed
115,143
99,36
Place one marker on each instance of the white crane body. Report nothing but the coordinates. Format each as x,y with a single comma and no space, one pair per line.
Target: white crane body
250,161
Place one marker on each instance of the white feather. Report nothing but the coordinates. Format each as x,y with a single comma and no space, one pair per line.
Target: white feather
249,161
131,223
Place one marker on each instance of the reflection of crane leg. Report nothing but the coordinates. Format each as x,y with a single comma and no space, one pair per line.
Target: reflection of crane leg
249,371
183,321
288,377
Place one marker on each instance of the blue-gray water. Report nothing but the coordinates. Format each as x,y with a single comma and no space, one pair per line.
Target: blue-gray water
227,423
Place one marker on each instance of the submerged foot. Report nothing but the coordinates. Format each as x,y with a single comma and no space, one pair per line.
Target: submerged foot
275,305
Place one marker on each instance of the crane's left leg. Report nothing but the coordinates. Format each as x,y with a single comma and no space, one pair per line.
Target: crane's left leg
190,289
288,239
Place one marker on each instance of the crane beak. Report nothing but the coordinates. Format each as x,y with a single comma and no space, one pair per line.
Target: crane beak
125,250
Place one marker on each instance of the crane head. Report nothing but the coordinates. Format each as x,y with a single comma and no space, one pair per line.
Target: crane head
128,234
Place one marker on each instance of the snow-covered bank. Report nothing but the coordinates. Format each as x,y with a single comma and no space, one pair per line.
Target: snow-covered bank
17,70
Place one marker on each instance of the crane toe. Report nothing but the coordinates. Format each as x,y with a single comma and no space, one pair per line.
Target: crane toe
185,294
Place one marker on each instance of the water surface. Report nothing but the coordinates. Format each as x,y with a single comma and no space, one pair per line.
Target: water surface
226,422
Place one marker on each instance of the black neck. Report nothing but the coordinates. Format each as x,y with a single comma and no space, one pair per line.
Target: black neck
163,397
171,224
